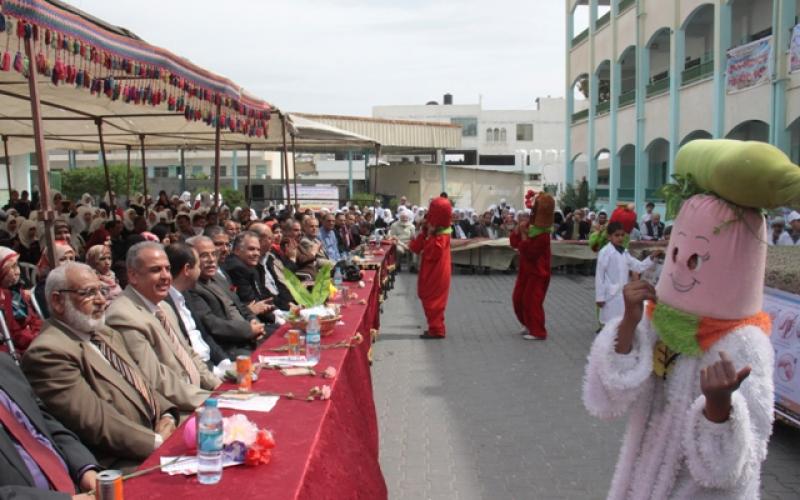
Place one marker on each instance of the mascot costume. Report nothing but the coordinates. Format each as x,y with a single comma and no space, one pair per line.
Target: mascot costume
690,361
533,243
433,283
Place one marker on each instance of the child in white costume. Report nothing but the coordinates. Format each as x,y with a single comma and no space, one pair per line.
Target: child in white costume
694,372
614,265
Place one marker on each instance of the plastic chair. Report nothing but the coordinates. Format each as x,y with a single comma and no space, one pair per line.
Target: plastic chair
28,272
35,303
5,337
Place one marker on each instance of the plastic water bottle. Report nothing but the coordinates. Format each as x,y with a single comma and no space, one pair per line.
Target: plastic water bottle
209,444
312,340
337,277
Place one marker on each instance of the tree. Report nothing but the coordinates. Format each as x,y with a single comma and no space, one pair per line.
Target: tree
232,197
578,196
92,180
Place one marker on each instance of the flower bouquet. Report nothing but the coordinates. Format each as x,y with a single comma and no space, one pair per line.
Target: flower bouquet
244,442
312,302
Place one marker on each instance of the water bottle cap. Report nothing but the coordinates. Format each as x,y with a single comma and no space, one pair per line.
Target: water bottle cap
211,403
312,317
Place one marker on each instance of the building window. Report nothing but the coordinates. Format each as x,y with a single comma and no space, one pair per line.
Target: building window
197,171
524,131
241,170
502,135
469,125
261,171
223,171
161,172
489,137
496,135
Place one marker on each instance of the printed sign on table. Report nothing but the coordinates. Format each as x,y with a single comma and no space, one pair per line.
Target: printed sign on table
794,50
749,65
784,309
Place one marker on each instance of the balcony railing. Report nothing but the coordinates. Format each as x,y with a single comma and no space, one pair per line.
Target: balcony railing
583,35
580,115
623,6
602,107
698,69
627,97
602,193
658,86
603,20
653,195
626,194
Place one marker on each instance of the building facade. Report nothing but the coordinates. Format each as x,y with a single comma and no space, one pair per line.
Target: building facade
529,142
646,76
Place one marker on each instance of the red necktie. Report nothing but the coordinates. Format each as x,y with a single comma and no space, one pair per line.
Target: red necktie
45,458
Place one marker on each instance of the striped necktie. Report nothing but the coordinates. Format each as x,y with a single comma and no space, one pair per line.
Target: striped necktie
177,348
129,374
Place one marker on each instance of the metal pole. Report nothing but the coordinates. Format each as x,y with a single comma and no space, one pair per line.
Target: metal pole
111,200
235,169
216,155
350,175
128,187
294,168
144,168
183,171
8,165
249,191
377,163
41,153
286,162
367,176
444,172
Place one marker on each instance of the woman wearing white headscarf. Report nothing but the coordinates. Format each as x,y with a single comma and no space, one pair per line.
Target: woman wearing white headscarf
11,226
87,200
29,249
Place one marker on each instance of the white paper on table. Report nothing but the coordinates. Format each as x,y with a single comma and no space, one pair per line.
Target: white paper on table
188,465
262,404
286,361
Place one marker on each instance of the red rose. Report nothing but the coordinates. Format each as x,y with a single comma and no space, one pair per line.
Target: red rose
252,456
264,439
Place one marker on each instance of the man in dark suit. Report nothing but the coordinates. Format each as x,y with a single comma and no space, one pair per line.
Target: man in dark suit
39,458
185,269
242,268
268,275
233,326
575,228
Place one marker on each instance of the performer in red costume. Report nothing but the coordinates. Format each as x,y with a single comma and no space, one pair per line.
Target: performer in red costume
433,284
532,240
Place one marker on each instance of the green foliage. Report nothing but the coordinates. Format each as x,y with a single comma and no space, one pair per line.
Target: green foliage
317,295
232,197
551,189
578,196
363,199
676,193
92,180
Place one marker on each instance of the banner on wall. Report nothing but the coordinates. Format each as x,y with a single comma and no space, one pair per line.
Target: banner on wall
749,65
784,309
316,197
794,50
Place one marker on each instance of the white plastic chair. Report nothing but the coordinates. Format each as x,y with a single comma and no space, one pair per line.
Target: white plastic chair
29,272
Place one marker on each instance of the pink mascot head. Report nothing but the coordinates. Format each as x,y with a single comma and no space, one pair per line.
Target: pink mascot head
715,262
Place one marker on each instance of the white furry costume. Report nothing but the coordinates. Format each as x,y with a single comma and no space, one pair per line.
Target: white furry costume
670,450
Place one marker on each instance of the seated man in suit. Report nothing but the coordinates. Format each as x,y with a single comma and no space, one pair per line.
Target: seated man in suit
242,269
40,458
185,268
268,274
232,325
221,241
311,252
82,371
150,329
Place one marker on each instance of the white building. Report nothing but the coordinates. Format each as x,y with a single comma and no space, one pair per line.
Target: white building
646,76
528,141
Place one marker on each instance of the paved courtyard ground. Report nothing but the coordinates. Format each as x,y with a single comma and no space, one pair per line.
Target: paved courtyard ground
486,414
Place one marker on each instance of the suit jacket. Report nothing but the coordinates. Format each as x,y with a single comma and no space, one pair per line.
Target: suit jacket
222,315
565,231
147,344
89,396
15,479
246,280
216,353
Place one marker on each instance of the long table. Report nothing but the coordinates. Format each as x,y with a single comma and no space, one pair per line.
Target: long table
325,449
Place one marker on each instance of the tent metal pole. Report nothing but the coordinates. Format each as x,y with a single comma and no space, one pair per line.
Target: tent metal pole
216,153
8,164
111,200
286,162
350,175
444,172
249,191
294,168
41,153
144,168
128,187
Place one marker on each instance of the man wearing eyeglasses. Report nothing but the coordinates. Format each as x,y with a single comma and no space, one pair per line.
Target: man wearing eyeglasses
86,377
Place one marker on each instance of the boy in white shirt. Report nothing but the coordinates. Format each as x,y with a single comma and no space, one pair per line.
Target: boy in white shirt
614,265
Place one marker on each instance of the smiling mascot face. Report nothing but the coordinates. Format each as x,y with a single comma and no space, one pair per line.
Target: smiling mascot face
714,265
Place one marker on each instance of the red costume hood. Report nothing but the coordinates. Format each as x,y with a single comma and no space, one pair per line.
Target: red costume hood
440,212
624,216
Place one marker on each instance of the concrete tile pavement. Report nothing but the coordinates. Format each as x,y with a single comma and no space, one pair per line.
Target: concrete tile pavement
486,414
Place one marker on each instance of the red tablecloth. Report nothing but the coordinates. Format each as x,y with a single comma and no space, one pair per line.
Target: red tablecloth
325,449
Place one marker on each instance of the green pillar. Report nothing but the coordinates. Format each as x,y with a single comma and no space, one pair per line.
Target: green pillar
783,14
235,171
641,87
444,172
676,65
593,97
722,40
570,167
350,175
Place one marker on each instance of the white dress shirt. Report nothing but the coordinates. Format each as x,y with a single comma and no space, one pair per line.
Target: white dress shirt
195,337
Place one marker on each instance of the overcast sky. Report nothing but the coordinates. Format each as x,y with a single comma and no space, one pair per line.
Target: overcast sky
345,56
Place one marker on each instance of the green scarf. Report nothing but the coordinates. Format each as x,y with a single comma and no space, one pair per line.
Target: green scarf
535,231
444,230
677,329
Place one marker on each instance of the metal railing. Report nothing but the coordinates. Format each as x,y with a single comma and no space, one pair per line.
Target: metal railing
603,20
583,35
623,6
580,115
659,86
698,71
627,98
653,195
602,192
626,194
602,107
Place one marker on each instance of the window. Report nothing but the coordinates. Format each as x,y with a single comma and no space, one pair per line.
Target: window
502,135
524,131
501,160
261,171
161,172
489,136
469,125
496,135
223,171
534,177
241,170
